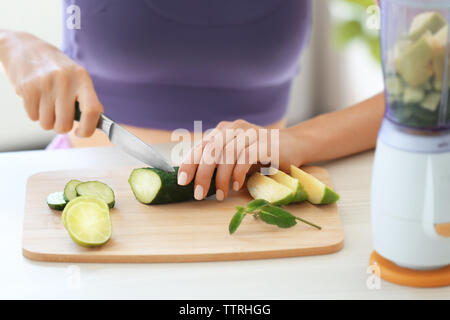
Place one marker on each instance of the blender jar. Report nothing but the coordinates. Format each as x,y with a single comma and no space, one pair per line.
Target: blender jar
415,54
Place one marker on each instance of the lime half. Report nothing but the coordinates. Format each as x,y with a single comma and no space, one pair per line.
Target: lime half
87,221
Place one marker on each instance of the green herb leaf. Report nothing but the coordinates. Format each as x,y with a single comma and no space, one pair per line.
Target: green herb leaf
256,205
309,223
277,216
237,220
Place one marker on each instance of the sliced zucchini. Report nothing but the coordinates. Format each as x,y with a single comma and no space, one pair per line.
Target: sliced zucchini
69,190
56,201
317,191
98,190
153,186
263,187
291,183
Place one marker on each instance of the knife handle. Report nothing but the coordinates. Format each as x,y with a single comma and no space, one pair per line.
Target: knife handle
104,123
77,111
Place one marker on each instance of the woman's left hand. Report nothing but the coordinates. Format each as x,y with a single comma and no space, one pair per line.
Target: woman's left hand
234,148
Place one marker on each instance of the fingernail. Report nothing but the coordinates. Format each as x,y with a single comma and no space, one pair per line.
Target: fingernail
220,195
182,178
236,186
198,194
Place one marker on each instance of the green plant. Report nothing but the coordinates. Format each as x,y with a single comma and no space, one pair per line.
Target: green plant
352,26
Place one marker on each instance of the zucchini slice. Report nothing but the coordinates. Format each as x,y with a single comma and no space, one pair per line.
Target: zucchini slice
69,190
262,187
98,190
56,201
154,186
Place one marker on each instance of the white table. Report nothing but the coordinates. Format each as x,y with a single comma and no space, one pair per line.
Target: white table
342,275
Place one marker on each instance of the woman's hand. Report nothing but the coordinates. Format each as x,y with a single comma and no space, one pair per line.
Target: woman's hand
233,148
49,83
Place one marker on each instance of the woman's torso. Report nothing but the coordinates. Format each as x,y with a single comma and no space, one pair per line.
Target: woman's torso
165,63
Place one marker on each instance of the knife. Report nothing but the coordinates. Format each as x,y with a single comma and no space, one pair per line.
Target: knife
128,142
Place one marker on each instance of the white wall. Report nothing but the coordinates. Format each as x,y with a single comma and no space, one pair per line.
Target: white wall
329,80
41,18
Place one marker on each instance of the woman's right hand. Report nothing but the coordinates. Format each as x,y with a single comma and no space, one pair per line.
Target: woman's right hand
49,83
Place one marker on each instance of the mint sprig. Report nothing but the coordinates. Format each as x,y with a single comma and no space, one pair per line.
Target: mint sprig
268,213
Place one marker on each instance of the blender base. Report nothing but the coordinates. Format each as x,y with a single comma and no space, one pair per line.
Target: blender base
391,272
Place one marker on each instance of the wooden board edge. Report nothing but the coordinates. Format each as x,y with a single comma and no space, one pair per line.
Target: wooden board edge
216,257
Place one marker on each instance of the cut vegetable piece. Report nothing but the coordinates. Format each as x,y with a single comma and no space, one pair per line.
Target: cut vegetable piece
401,47
415,63
441,36
292,183
96,189
413,95
262,187
56,201
87,221
394,86
426,22
440,51
317,191
69,190
431,102
153,186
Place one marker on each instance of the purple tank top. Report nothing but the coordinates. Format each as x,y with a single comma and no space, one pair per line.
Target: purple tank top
166,63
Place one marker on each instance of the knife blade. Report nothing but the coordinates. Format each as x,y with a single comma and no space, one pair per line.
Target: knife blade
128,142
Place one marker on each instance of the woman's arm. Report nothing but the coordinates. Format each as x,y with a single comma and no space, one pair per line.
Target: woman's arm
49,83
341,133
325,137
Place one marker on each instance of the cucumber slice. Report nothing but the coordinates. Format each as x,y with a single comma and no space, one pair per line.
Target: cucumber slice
69,190
262,187
153,186
98,190
56,201
87,221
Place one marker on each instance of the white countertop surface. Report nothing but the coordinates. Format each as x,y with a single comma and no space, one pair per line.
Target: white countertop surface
342,275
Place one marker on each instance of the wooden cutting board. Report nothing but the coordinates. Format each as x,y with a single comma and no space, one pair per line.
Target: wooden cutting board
184,232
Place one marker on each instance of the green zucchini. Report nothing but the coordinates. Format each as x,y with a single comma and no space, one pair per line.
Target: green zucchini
56,201
98,190
69,190
154,186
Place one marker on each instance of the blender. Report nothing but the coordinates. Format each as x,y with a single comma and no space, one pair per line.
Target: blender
410,199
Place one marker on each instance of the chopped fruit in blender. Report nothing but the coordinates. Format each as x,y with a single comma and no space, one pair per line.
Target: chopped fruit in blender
440,51
427,21
414,82
415,64
394,85
413,95
438,85
431,101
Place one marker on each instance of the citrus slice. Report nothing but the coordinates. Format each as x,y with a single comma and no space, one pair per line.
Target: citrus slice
87,221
